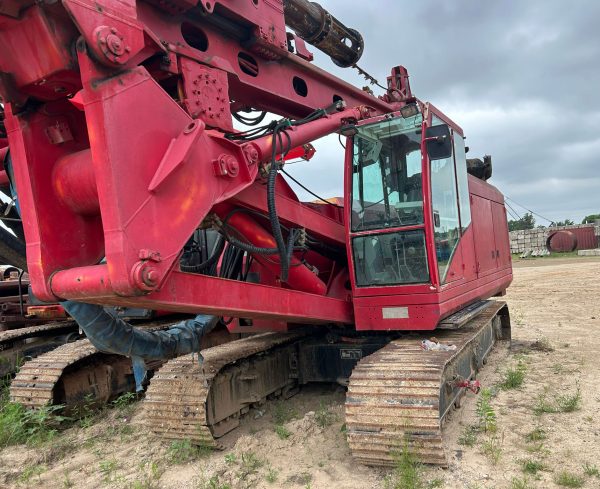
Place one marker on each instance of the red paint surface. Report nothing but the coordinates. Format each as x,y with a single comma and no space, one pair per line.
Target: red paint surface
124,172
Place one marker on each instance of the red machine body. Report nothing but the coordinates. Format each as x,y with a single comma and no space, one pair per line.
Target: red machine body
119,122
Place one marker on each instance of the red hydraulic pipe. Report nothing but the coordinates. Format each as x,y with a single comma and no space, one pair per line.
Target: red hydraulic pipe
299,277
75,184
82,283
308,132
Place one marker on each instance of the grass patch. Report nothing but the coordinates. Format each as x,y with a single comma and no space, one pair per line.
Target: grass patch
108,469
492,449
538,448
514,377
184,451
469,436
213,483
124,401
532,466
520,483
485,412
30,472
324,416
271,476
282,432
151,473
249,465
567,403
282,413
567,479
591,470
30,426
407,473
435,483
538,434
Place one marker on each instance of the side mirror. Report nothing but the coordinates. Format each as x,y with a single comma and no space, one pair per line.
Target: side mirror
438,142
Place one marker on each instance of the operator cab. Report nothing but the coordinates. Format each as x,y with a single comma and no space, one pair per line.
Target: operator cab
408,204
387,194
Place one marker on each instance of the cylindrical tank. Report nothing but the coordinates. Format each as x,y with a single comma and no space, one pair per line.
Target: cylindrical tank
561,241
299,277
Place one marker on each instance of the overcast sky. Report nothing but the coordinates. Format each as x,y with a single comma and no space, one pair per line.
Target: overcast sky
520,77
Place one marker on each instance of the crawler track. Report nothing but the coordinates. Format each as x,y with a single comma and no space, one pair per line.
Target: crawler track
19,344
42,381
401,394
76,374
186,400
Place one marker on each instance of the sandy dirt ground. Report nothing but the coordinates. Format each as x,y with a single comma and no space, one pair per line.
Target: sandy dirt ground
555,308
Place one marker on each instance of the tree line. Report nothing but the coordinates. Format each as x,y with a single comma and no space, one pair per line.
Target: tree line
528,222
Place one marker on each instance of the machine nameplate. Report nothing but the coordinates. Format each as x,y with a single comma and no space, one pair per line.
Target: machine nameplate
347,354
395,312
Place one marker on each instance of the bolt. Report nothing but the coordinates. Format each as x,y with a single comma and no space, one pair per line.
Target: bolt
113,30
151,277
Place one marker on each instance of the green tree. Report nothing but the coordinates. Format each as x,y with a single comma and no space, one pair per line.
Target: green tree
566,222
525,222
590,219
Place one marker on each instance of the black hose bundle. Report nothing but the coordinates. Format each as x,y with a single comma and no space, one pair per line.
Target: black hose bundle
277,129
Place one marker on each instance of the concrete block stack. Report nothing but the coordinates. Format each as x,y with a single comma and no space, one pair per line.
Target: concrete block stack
535,239
531,239
595,252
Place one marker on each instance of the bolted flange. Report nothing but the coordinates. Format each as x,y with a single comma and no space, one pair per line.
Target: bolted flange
112,44
145,276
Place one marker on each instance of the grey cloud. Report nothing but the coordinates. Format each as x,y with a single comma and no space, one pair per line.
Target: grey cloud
520,77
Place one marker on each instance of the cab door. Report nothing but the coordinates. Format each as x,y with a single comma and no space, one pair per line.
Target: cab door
446,217
485,242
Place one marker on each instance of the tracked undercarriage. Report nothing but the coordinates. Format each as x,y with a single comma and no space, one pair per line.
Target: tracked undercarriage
398,395
72,375
76,374
18,345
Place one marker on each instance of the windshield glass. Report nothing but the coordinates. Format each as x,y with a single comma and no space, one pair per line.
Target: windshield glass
386,183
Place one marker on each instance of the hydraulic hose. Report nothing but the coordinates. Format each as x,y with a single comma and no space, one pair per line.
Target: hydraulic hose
111,334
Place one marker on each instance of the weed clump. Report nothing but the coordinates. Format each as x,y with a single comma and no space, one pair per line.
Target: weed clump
518,483
184,451
485,412
282,413
591,470
30,426
514,377
408,472
567,479
538,434
469,436
562,404
532,466
324,416
282,432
